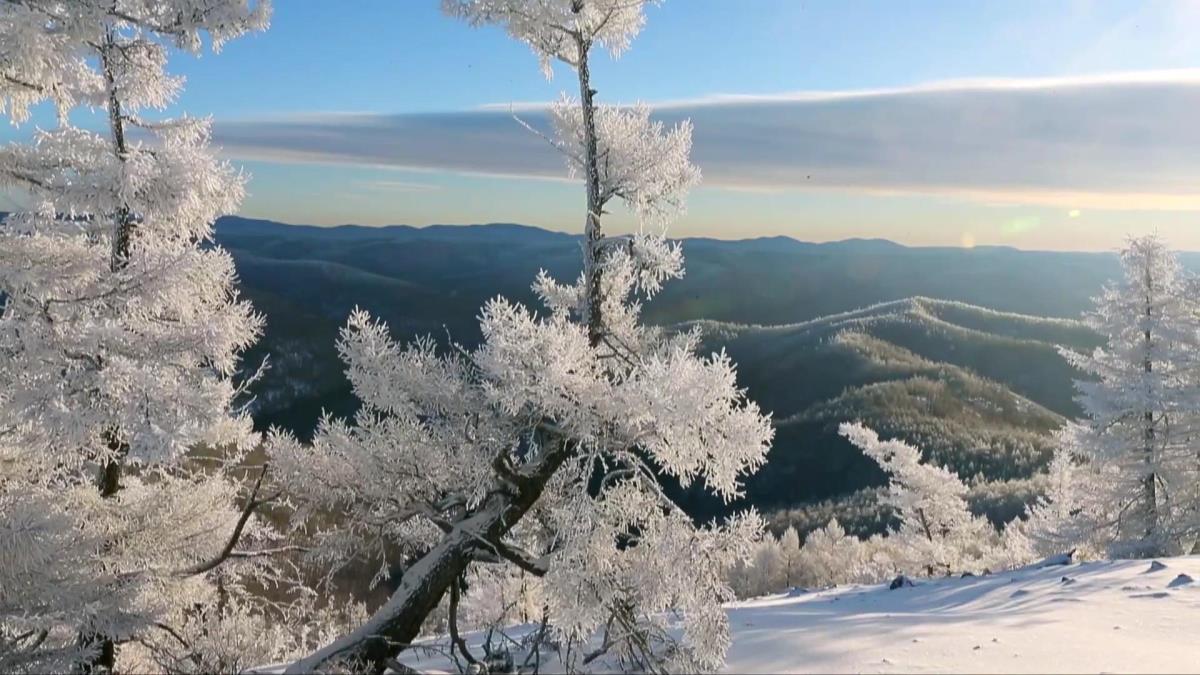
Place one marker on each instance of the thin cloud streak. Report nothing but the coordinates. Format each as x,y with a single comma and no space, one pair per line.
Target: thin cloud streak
1177,76
1116,142
398,186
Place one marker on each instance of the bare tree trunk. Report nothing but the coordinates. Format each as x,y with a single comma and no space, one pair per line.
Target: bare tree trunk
123,218
1149,487
394,626
109,479
592,232
123,224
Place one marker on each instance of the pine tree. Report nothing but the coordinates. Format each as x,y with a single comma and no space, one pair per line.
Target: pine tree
1133,458
1056,522
120,337
544,447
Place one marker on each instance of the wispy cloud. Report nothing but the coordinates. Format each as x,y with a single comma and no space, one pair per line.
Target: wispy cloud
397,186
1119,141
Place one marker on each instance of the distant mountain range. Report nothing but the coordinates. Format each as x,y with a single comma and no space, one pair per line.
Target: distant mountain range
822,333
760,281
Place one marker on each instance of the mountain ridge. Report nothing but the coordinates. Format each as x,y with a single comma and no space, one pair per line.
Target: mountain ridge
876,244
981,392
961,345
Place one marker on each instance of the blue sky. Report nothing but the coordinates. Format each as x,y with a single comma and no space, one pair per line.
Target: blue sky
818,120
394,56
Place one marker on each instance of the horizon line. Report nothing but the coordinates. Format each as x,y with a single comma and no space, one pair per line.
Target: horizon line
731,240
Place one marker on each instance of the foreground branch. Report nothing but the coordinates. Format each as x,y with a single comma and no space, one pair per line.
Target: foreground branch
251,505
456,640
394,626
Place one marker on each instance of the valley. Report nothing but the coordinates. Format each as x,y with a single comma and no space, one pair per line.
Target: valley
957,362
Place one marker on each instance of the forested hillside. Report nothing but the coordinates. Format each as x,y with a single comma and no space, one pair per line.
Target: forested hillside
432,281
979,389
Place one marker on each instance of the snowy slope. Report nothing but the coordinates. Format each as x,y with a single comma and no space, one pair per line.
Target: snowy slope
1107,617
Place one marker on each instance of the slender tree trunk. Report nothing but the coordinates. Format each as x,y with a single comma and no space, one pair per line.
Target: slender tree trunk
592,231
108,481
524,597
123,221
123,224
394,626
1149,487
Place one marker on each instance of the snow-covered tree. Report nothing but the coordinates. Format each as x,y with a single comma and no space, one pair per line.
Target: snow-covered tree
649,169
759,573
1059,521
120,336
121,331
789,544
1134,461
831,557
937,534
47,577
828,557
545,447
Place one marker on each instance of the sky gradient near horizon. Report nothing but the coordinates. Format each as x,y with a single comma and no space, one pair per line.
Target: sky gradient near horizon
1062,125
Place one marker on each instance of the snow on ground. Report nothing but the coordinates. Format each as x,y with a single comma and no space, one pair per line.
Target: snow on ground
1099,617
1091,617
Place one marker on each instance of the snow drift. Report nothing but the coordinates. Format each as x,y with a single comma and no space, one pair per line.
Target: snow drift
1118,616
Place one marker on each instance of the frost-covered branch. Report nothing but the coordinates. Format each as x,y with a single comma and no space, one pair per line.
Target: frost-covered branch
938,534
252,503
